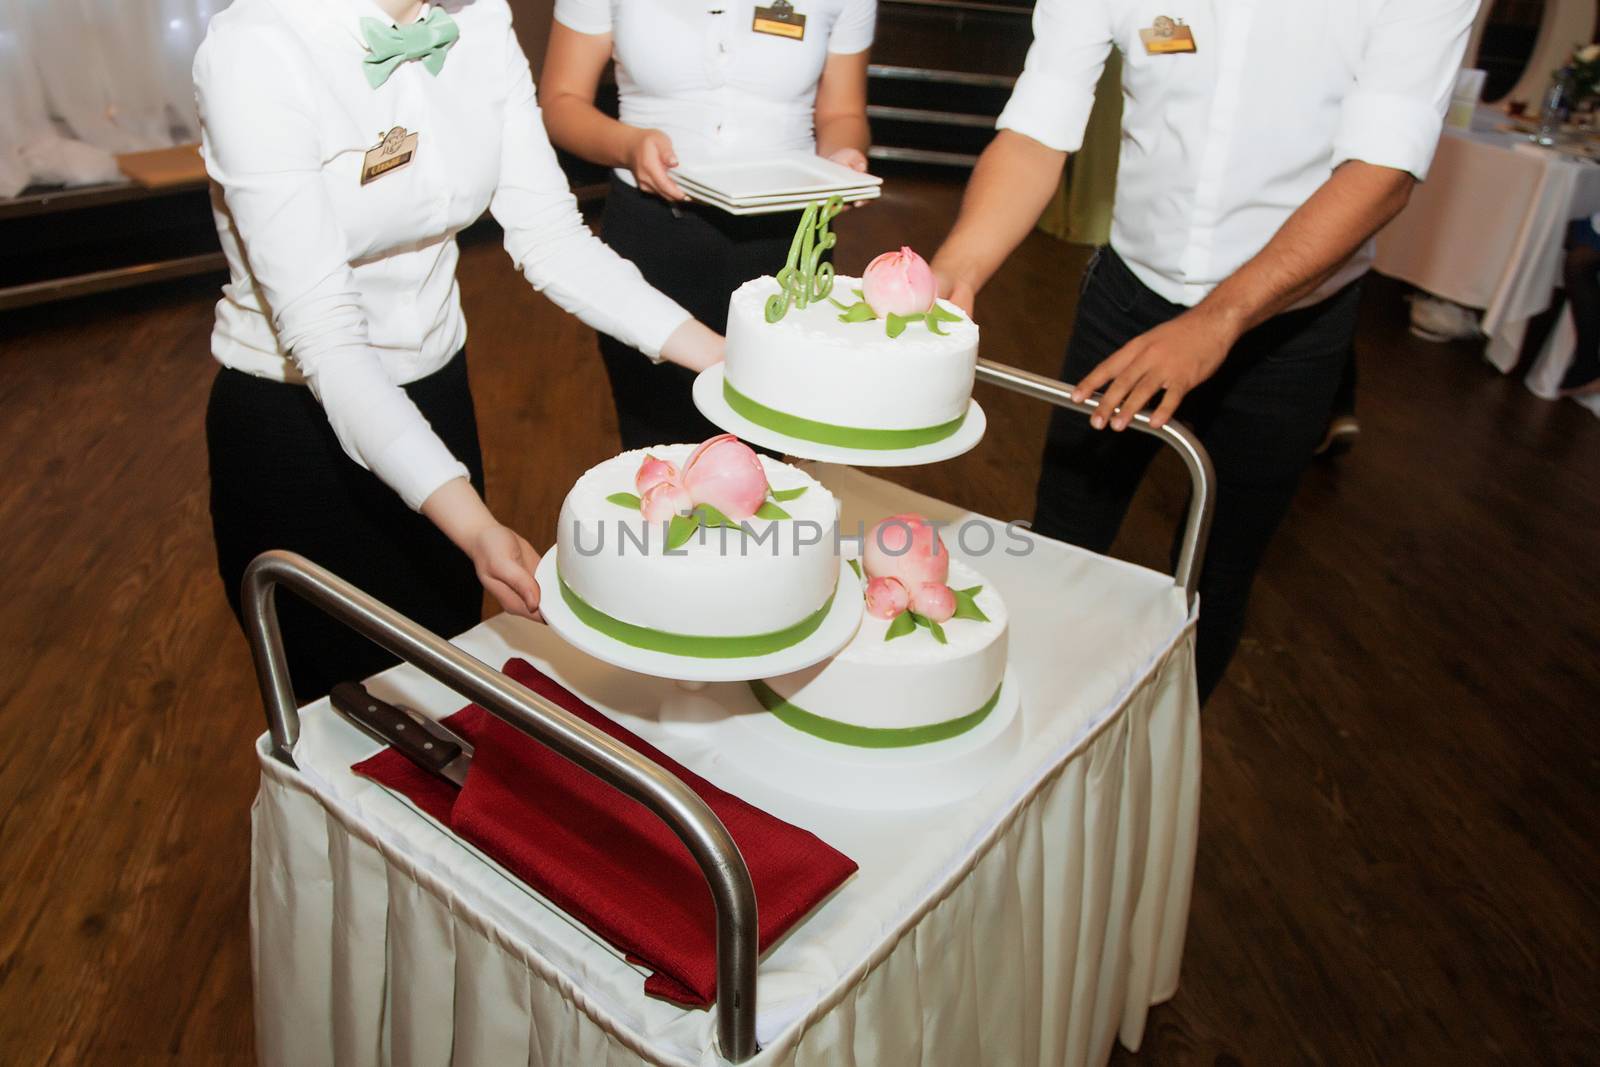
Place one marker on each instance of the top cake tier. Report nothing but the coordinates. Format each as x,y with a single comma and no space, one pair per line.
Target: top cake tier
815,376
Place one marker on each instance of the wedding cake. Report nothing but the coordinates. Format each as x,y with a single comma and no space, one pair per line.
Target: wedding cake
876,362
708,551
928,663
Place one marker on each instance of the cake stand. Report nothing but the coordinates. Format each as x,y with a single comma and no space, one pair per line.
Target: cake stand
709,399
837,628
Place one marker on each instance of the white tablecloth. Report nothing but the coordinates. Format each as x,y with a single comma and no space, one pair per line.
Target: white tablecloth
1486,230
1028,925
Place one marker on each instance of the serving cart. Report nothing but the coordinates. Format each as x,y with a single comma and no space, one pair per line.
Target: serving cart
1031,923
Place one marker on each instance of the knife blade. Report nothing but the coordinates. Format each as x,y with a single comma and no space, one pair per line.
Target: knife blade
428,744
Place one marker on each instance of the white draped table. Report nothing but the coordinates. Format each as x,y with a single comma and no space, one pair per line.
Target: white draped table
1488,227
1031,924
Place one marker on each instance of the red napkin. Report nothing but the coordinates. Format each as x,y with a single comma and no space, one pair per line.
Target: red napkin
602,857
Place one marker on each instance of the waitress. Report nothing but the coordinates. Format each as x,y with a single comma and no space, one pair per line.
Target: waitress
348,142
700,82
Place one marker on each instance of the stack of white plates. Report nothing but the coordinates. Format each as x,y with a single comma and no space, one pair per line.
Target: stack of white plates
773,183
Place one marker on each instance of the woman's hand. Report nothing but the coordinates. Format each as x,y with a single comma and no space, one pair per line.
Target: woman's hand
503,561
694,345
849,157
651,158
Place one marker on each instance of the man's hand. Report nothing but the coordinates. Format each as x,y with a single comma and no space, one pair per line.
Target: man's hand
956,290
651,158
1171,359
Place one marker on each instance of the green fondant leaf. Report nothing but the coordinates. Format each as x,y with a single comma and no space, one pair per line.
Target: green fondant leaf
855,566
933,327
904,623
710,516
966,607
769,510
783,496
860,295
928,624
939,313
938,632
858,312
624,500
680,529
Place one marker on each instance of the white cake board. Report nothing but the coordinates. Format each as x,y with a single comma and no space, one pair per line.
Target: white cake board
844,776
838,627
709,399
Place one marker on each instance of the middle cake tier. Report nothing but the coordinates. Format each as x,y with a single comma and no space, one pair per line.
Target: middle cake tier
695,581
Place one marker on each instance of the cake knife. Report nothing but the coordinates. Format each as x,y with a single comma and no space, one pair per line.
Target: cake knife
430,745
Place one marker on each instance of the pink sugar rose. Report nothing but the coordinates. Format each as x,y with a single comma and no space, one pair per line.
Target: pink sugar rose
664,500
899,283
886,598
727,474
905,547
653,472
934,600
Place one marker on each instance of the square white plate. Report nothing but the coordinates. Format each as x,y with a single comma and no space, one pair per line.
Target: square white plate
773,208
862,191
788,173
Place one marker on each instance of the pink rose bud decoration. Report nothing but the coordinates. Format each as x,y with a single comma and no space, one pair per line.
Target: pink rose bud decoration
727,474
653,472
664,500
899,283
907,548
886,598
935,600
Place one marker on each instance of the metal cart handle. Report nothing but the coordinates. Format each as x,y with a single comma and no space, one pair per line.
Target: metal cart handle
570,737
1202,501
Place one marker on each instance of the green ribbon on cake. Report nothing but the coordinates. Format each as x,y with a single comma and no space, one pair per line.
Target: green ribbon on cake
826,433
692,645
844,733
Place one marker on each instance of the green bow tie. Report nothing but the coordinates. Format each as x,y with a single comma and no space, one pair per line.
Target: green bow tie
390,46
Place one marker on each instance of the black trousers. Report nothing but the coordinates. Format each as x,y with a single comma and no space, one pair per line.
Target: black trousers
697,255
1260,417
279,479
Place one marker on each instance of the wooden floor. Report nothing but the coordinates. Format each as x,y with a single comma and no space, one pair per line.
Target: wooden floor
1400,852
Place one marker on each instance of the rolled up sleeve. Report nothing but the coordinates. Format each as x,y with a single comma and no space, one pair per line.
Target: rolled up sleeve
548,241
261,148
1055,93
1408,70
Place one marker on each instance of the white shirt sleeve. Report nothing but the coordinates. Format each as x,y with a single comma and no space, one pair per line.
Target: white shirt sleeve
548,240
1408,69
585,16
1055,93
852,31
260,144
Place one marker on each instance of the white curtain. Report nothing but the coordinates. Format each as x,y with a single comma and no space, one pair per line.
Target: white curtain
83,80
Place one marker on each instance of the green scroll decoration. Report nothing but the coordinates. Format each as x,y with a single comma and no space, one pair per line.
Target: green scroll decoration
805,278
844,733
694,646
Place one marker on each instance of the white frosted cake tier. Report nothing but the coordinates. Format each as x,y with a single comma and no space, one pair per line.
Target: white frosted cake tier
811,376
911,690
770,583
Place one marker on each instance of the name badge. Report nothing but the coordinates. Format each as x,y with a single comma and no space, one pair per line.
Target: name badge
780,20
397,149
1167,37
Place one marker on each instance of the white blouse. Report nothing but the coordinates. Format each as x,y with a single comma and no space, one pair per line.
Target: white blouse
1221,145
700,73
351,288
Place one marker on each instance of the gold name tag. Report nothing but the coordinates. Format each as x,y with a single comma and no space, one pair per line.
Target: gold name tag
780,20
1167,37
397,149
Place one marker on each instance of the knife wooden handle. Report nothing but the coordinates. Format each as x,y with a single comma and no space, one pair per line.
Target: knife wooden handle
413,740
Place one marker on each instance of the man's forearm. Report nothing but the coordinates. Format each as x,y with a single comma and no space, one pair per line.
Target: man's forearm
1009,189
1313,245
837,132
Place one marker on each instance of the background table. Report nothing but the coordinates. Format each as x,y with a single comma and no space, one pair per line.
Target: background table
1486,230
1029,925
